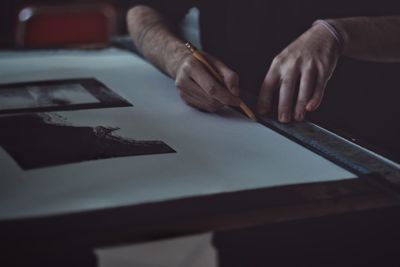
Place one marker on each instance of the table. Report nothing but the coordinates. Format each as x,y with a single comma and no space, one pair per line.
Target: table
215,181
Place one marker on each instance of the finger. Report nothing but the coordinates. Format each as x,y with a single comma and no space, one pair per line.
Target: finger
268,87
211,86
306,89
230,78
194,96
190,87
208,107
318,94
203,98
286,95
205,104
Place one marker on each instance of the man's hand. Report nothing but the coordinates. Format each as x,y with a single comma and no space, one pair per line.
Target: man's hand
198,88
156,40
300,73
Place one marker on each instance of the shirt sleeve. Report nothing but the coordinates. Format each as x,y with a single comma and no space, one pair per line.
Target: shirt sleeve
172,10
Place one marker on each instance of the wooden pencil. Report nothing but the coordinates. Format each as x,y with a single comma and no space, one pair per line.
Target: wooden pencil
199,56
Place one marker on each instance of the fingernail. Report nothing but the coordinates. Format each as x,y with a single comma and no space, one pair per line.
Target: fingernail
299,116
284,117
281,117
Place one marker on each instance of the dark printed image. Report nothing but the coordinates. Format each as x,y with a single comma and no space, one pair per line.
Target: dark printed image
57,95
42,140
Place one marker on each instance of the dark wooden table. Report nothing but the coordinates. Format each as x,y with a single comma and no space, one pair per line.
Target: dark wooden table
67,236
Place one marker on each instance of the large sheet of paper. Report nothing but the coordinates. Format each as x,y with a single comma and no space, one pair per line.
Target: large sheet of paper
214,153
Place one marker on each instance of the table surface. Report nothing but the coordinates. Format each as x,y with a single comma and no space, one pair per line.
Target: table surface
227,172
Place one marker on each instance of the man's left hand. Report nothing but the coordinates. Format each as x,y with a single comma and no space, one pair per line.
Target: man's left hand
300,72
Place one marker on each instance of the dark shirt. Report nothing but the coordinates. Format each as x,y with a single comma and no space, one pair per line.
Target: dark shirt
362,98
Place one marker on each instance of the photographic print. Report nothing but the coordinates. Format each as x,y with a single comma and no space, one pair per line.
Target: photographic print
57,95
47,139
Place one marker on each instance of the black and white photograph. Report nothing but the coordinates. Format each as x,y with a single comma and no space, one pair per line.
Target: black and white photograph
47,139
57,95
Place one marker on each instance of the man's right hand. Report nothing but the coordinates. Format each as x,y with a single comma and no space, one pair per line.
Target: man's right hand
157,41
199,89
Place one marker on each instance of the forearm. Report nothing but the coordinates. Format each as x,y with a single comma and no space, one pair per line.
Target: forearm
372,39
155,39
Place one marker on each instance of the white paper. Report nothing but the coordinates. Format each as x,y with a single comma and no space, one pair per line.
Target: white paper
215,153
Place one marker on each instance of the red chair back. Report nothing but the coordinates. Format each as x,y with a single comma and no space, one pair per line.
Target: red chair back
65,25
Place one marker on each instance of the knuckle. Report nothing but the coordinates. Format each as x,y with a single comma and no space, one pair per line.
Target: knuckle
278,60
186,66
286,84
179,82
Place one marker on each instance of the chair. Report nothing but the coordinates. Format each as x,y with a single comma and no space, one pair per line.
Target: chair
65,25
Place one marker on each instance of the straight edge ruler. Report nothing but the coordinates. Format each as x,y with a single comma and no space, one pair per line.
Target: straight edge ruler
354,158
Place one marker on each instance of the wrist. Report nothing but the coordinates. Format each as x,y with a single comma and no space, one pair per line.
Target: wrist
176,58
329,27
339,25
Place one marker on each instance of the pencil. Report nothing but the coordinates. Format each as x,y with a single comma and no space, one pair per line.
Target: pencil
199,56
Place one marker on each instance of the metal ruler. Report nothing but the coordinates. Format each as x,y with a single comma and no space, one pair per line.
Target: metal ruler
354,158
